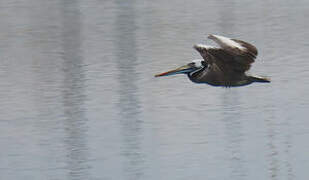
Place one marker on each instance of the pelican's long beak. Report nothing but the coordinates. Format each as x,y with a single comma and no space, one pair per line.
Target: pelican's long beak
181,70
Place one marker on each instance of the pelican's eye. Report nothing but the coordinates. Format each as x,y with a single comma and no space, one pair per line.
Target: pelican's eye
197,63
204,64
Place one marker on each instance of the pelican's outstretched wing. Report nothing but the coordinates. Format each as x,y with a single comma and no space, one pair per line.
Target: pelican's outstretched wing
204,51
233,56
234,46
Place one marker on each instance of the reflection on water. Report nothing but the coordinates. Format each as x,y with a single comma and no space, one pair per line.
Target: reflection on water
273,151
73,92
279,148
288,158
128,102
234,135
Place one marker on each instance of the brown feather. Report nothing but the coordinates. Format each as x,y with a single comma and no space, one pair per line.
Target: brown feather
227,64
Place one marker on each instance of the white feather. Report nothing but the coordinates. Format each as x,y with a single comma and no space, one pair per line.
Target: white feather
197,62
229,42
205,46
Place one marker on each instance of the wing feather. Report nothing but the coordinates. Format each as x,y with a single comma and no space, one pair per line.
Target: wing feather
227,62
233,56
241,54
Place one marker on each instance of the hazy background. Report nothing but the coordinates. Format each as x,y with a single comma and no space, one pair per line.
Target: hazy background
78,99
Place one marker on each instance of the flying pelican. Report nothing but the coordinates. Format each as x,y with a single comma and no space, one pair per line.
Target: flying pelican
224,66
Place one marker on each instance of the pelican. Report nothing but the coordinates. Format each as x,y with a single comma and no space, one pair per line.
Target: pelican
221,66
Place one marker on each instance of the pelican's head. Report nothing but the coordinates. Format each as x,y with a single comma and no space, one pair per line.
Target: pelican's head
195,65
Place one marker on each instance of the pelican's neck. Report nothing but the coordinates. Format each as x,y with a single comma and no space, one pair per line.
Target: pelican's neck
193,76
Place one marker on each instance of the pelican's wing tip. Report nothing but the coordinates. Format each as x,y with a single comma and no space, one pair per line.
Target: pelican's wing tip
203,46
228,42
211,36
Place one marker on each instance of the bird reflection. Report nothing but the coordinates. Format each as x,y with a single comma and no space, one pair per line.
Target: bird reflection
234,135
273,150
279,167
288,164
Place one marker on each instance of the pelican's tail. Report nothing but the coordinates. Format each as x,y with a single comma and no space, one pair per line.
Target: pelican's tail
259,79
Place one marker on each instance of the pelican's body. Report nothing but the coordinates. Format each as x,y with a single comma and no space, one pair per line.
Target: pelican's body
224,66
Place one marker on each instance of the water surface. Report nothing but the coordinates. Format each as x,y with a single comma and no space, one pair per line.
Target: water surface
79,100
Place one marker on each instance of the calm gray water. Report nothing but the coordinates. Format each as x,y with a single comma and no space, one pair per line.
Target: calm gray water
78,99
